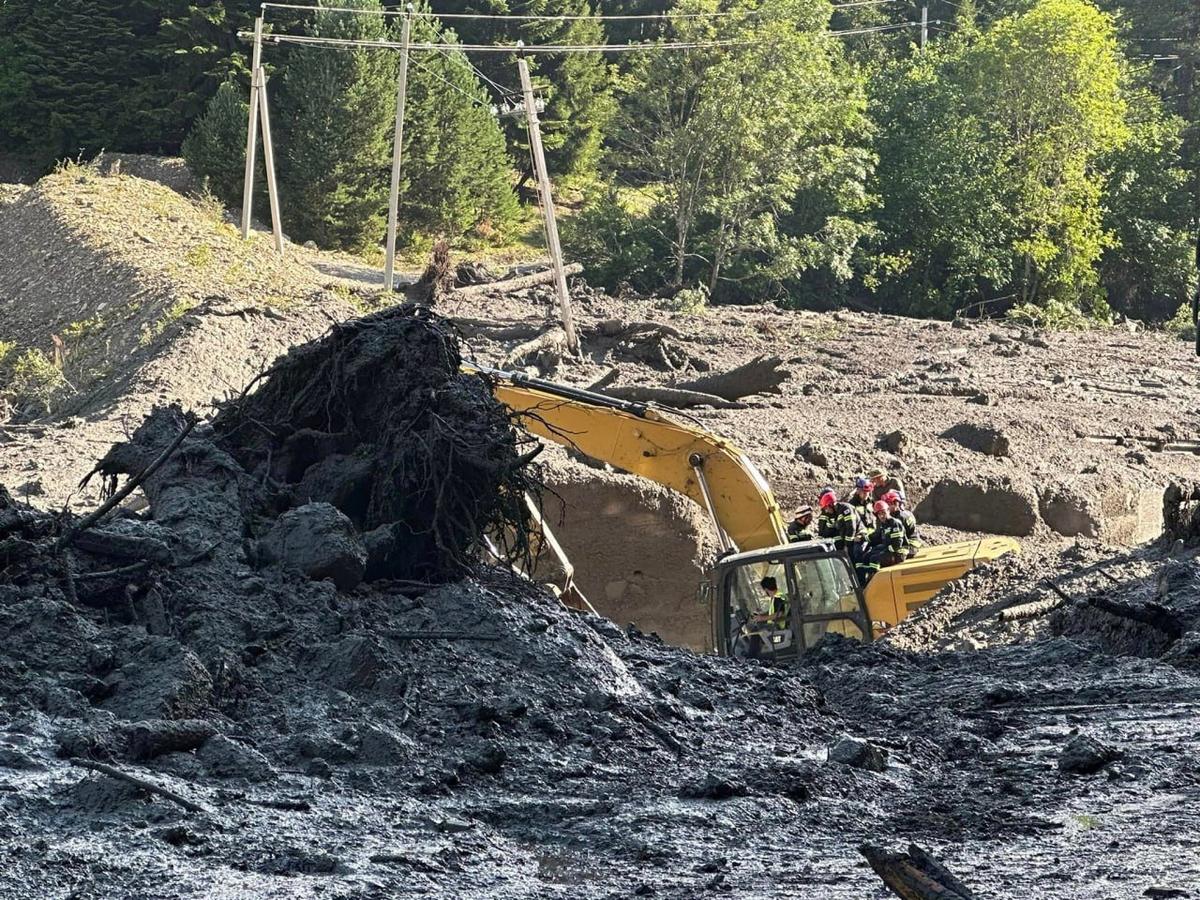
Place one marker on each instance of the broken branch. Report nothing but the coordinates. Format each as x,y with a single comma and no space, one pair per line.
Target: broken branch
142,783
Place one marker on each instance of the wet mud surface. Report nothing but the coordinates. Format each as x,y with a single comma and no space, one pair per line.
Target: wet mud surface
299,723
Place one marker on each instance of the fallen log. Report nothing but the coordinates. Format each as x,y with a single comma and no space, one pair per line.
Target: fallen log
498,331
513,284
142,783
552,342
761,375
669,396
123,546
915,875
1153,614
619,328
152,738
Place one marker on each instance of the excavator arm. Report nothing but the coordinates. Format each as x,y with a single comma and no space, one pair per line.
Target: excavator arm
638,439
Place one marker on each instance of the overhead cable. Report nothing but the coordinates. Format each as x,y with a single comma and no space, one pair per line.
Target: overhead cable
309,40
523,18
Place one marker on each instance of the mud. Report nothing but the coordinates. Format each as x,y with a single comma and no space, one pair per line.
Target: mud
474,738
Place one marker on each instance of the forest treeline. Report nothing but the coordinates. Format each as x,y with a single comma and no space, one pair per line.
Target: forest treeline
1036,157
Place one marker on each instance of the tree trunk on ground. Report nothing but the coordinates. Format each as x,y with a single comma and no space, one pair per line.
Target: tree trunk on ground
761,375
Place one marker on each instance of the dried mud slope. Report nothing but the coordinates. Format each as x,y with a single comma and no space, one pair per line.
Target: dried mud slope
139,295
995,427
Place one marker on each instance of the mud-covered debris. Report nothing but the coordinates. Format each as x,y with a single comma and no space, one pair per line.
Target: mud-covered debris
1163,892
223,757
1085,755
980,438
915,875
711,786
147,740
858,753
319,541
893,442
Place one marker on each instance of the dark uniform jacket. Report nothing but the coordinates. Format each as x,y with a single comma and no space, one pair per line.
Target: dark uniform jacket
798,533
842,525
889,541
912,535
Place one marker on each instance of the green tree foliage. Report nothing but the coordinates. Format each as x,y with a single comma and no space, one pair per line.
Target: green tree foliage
719,149
72,73
1149,271
457,174
333,112
576,86
992,158
77,77
336,113
216,149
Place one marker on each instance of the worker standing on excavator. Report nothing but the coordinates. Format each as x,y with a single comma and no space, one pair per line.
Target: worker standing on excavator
896,502
860,498
801,527
888,541
882,482
839,522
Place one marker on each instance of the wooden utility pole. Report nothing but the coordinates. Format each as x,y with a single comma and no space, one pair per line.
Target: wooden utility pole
269,161
924,26
260,113
389,268
252,130
547,199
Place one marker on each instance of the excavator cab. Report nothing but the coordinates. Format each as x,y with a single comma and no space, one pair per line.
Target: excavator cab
818,595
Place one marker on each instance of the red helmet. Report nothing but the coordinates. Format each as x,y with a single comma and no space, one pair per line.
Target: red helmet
828,499
880,508
891,497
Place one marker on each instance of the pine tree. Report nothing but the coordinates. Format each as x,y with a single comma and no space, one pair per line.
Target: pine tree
333,112
577,86
216,148
457,171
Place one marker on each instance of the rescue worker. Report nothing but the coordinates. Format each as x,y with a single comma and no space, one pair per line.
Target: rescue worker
896,503
839,523
882,482
888,541
860,498
774,606
801,527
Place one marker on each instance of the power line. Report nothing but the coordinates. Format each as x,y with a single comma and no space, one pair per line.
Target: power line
451,84
522,18
873,30
308,40
864,3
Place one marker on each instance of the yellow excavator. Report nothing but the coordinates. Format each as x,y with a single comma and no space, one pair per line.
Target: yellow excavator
820,590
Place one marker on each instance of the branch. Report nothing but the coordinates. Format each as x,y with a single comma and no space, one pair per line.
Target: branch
149,786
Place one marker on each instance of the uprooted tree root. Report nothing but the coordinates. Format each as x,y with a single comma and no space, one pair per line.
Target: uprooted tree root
377,419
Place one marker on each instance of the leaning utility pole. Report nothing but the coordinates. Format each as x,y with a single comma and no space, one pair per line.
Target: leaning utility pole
547,198
260,111
389,268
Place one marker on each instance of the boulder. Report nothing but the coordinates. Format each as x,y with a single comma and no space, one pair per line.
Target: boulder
995,504
859,754
893,442
980,438
319,541
223,757
1084,755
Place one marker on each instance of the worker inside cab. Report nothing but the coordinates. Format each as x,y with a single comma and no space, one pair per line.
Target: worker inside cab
897,502
888,542
773,606
801,528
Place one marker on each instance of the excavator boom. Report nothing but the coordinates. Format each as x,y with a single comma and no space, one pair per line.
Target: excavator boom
638,439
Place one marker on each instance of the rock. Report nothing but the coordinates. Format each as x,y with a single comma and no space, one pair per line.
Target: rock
1084,755
859,754
1164,891
319,541
980,438
813,454
310,245
995,504
893,442
488,758
983,400
318,768
160,680
711,787
12,758
224,757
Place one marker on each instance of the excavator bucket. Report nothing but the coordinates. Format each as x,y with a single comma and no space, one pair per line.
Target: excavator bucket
896,591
